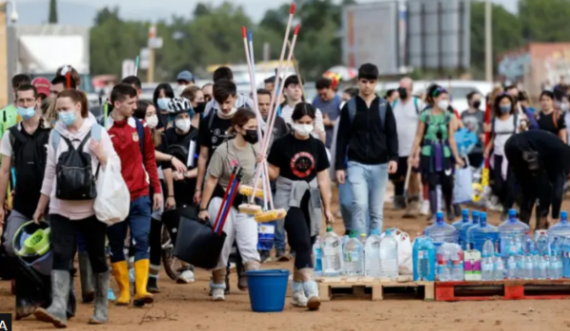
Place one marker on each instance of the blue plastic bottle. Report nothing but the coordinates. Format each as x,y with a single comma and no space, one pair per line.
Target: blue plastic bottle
477,235
423,256
509,231
464,219
466,227
560,229
441,232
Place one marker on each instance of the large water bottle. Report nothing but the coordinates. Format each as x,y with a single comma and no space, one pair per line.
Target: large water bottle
542,242
441,232
332,253
478,235
560,229
487,261
389,256
444,262
423,256
353,256
464,219
499,268
465,228
317,258
372,254
509,231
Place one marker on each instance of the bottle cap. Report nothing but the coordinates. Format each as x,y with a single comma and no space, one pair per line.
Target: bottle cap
465,212
439,216
354,234
512,213
564,215
329,229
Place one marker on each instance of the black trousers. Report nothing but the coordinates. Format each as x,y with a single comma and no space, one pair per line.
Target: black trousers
154,241
504,189
63,237
446,181
298,227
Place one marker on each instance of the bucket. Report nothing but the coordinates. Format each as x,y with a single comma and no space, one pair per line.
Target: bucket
267,290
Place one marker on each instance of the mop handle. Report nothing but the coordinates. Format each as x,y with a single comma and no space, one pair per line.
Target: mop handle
228,207
407,183
225,196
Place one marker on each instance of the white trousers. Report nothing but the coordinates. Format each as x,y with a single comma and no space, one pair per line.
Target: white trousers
239,227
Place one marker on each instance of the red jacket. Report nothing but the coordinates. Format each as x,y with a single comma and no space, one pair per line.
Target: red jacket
126,142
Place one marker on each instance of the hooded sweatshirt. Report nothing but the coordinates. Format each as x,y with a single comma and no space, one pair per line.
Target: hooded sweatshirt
74,210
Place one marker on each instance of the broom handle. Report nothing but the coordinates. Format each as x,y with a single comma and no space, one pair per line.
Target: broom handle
225,197
298,73
226,205
232,197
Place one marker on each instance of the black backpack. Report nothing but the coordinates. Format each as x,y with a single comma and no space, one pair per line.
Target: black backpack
29,157
74,174
180,150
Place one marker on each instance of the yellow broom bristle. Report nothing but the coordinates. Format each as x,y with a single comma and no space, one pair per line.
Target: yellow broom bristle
250,209
271,215
248,191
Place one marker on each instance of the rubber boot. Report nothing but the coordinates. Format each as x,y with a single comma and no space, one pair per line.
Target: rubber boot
218,285
101,291
311,289
142,297
56,313
297,290
121,274
86,277
242,279
399,203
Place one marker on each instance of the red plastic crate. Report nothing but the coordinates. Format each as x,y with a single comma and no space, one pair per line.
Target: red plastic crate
503,290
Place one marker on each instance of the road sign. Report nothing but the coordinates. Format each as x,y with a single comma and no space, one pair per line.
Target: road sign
155,43
128,68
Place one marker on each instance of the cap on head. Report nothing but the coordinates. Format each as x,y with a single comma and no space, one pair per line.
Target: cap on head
42,85
185,76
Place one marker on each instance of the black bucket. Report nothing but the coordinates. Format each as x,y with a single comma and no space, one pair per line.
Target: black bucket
198,244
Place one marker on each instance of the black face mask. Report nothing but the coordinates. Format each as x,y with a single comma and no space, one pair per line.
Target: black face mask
403,93
200,107
251,136
476,104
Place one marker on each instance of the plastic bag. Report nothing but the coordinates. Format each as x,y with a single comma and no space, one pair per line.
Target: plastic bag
113,198
463,188
405,262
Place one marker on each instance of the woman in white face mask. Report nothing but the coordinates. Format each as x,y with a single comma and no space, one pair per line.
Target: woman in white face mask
146,112
162,96
299,163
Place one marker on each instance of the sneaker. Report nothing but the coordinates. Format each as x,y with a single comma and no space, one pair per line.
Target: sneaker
187,276
425,208
218,294
264,256
399,203
298,298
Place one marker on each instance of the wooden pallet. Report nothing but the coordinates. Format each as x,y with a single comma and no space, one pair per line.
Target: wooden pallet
357,287
503,290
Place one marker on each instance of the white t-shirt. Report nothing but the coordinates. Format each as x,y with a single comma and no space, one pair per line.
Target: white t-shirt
287,112
407,118
503,131
6,146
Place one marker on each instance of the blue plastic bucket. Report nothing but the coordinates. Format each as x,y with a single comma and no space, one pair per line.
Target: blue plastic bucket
267,290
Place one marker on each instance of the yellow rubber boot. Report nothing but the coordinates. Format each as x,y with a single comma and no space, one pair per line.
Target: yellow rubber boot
121,274
142,297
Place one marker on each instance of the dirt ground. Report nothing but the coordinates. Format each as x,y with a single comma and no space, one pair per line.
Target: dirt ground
187,307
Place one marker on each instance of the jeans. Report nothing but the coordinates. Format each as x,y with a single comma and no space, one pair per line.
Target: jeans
345,201
368,188
139,223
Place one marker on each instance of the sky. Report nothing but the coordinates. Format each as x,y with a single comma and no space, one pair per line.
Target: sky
82,11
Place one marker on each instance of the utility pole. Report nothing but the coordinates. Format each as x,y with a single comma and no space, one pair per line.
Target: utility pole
151,54
488,42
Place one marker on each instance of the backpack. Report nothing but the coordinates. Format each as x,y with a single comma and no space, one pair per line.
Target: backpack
381,109
515,121
30,155
181,150
74,175
428,122
416,105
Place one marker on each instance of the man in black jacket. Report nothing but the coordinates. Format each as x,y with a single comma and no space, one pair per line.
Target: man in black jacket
368,140
540,163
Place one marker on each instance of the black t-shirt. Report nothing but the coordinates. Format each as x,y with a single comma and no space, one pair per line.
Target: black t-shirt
299,159
214,134
552,123
163,148
184,189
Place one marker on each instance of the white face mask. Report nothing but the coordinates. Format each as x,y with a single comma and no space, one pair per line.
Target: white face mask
183,124
228,114
443,104
180,89
152,121
303,129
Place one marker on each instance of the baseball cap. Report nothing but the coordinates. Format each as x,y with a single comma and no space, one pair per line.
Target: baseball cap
42,85
185,76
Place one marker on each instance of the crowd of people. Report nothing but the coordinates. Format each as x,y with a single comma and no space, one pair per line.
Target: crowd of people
177,152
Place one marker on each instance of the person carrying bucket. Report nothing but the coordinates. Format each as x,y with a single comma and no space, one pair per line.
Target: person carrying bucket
22,149
77,142
241,227
299,163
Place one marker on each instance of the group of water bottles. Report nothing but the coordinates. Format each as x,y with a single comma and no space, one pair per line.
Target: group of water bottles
471,249
375,256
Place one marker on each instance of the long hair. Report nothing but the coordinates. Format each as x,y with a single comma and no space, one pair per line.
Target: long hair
140,113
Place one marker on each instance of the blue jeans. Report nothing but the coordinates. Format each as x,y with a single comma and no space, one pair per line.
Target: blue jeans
139,223
345,201
368,188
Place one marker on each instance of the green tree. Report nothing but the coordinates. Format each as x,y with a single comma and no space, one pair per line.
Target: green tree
52,12
545,20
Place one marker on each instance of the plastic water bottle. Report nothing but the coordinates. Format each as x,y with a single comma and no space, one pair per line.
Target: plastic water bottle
457,271
389,257
443,263
266,236
424,259
509,231
511,267
318,258
499,268
353,256
542,242
487,261
465,228
560,229
464,219
478,235
363,238
372,254
555,266
332,253
521,267
542,267
528,267
441,232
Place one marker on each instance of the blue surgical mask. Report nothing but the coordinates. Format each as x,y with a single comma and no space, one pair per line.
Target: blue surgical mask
162,103
26,113
505,109
67,117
